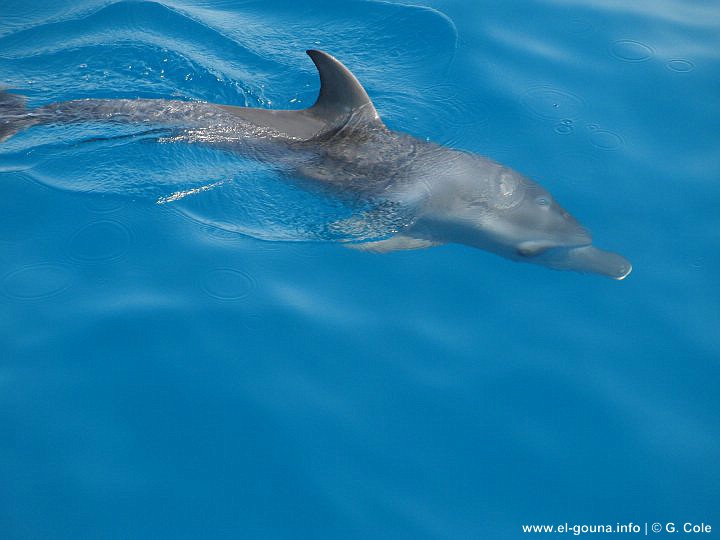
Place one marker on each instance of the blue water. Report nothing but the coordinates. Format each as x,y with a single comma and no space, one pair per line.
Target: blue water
216,367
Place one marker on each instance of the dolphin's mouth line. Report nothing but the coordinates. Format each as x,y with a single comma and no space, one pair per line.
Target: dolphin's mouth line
536,249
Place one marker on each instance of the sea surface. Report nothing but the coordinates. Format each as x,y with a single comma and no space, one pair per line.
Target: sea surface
186,353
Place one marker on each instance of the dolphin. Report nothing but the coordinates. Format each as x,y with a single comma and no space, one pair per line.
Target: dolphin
341,144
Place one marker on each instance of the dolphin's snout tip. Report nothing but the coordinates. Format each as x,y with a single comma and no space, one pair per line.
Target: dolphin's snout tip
623,271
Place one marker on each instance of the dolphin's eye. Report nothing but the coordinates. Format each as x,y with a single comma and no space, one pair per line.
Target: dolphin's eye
542,201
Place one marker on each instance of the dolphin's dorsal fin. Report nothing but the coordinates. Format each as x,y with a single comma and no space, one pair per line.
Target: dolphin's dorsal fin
342,100
341,94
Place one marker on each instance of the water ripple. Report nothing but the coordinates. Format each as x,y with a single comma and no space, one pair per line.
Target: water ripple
604,138
36,282
100,241
227,284
549,102
680,65
631,51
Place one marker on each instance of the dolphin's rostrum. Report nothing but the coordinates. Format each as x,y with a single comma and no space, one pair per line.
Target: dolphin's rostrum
449,196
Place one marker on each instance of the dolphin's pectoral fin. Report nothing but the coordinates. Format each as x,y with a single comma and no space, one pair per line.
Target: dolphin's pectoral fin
341,94
395,243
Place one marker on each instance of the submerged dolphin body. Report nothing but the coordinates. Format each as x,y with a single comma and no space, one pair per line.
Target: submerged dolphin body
450,196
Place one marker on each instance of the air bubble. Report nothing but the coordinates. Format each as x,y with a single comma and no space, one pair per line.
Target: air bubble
104,204
565,127
552,103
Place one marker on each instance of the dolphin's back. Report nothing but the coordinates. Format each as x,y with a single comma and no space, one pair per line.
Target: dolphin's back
341,98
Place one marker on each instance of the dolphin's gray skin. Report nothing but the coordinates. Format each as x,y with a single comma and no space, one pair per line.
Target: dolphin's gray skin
341,143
